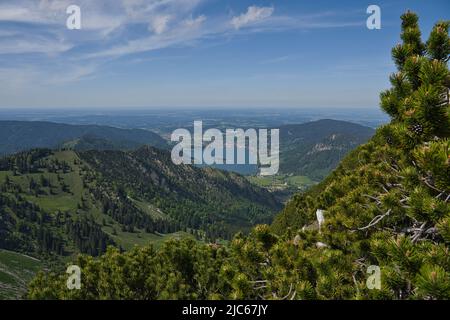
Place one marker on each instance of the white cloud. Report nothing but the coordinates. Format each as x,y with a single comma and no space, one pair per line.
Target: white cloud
159,23
23,46
13,79
109,31
253,14
194,23
183,33
71,74
44,23
20,14
171,23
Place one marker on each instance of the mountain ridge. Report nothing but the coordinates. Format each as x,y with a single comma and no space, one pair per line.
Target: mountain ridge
314,149
18,136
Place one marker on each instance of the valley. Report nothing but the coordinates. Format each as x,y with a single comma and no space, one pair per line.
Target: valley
144,202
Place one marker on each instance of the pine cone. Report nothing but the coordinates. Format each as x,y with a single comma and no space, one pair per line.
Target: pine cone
417,129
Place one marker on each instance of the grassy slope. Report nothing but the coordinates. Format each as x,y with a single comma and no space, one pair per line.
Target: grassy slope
16,270
282,186
282,181
63,201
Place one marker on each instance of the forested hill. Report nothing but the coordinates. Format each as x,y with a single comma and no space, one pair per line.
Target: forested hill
24,135
60,202
200,198
315,148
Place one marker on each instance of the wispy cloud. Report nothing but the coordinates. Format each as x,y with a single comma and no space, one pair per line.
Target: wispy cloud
22,46
276,60
254,14
159,24
13,79
181,33
35,29
71,74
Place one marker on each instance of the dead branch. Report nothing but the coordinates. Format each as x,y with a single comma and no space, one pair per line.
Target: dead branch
259,281
377,200
289,293
293,295
404,200
428,184
376,220
421,233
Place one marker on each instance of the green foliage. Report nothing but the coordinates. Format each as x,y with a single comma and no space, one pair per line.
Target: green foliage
433,282
438,44
387,205
434,160
444,229
388,202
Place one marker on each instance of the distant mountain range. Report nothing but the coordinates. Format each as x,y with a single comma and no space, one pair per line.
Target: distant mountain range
23,135
314,149
311,149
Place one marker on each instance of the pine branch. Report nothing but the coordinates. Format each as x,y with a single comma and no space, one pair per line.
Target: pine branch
425,180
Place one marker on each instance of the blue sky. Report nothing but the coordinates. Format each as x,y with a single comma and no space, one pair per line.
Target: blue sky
200,53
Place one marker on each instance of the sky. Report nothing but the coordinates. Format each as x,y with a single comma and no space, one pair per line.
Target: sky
200,53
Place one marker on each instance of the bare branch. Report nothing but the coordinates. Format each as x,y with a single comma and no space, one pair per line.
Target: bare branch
293,296
425,180
259,281
377,200
289,293
376,220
